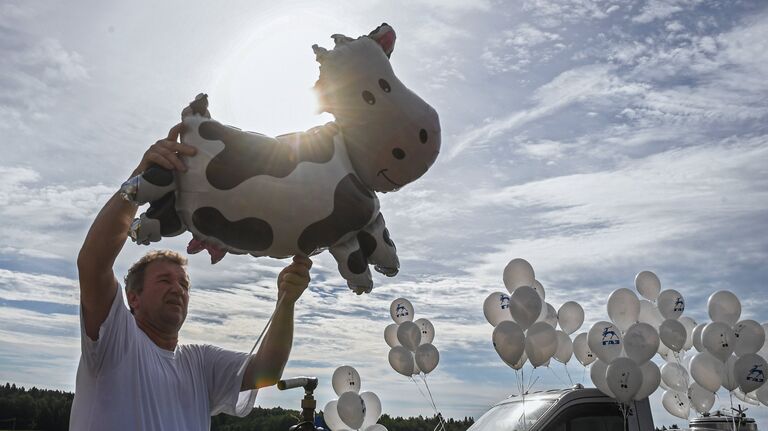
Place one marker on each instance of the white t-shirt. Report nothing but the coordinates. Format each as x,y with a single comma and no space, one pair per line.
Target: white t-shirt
126,382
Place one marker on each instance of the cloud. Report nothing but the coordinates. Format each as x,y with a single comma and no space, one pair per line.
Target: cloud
594,82
517,48
35,70
660,9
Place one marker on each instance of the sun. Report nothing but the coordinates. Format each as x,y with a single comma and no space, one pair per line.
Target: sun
264,82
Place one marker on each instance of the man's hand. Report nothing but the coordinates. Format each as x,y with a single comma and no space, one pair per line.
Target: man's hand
166,153
293,279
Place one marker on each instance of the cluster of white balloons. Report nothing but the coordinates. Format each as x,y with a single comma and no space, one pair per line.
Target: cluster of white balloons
637,331
353,410
412,351
525,324
730,353
641,328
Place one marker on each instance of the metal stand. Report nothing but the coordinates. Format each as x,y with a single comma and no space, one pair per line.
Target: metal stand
308,403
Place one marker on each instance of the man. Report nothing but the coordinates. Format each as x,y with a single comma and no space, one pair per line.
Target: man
133,373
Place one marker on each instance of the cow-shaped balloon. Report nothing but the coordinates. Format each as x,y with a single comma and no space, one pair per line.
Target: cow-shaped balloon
304,192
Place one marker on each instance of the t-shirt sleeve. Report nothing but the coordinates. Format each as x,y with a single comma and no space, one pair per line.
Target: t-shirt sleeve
224,382
114,337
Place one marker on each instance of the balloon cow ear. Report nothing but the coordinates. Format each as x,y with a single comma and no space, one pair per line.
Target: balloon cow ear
385,36
320,53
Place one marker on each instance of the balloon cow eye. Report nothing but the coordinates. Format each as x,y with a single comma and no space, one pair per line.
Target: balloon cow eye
385,86
423,136
368,97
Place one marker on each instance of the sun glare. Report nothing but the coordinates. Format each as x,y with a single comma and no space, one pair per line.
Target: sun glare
264,84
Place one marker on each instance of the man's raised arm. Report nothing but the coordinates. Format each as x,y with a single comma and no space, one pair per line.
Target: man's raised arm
109,232
266,367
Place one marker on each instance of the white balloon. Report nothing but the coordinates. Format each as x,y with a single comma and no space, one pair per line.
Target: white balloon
416,369
749,337
664,351
764,350
539,288
707,371
581,349
426,358
671,304
390,335
540,343
409,335
689,325
520,362
762,394
623,308
564,348
427,330
570,317
525,306
641,341
747,398
717,338
674,376
697,337
509,341
376,427
724,306
401,360
604,340
672,334
651,380
702,400
331,417
401,310
676,403
372,409
351,409
548,314
749,371
597,374
729,376
496,308
648,285
649,314
345,379
624,379
518,272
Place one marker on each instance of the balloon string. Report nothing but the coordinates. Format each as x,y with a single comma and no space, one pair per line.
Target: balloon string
425,396
552,370
258,340
439,416
567,373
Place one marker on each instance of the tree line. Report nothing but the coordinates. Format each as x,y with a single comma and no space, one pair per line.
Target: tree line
45,409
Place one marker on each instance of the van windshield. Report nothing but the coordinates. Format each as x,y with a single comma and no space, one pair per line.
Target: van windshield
512,416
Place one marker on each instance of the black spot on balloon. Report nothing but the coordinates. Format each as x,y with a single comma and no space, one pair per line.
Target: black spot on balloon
353,207
158,176
367,243
387,239
250,233
164,210
248,154
385,86
398,153
356,262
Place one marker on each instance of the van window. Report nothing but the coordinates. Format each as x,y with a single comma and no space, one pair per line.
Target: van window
589,417
512,416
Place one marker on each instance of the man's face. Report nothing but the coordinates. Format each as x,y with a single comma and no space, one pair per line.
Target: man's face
164,300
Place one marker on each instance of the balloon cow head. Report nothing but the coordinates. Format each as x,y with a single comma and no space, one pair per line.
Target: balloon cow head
304,192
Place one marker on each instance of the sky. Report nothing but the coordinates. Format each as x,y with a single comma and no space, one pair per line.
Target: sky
594,138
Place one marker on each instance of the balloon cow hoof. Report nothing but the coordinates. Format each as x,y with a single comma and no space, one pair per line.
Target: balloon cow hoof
304,192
